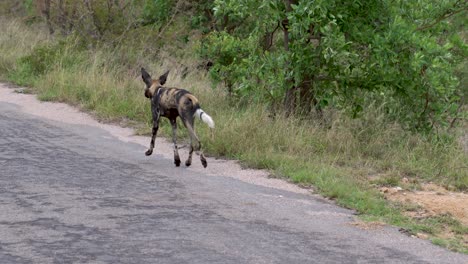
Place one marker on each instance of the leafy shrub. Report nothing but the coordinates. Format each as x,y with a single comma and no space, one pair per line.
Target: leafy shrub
331,53
44,58
157,11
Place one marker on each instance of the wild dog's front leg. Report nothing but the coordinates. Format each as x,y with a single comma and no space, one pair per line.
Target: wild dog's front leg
153,137
174,140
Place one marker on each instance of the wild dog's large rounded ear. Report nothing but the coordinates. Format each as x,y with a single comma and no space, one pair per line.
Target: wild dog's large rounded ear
146,77
163,78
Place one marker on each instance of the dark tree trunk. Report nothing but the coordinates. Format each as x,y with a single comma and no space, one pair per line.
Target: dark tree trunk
306,95
97,25
290,100
300,97
62,18
46,13
268,37
308,98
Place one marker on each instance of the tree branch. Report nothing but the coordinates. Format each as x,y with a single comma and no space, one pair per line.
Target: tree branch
270,36
446,15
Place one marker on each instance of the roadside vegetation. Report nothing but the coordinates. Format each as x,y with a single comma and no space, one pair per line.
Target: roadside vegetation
341,96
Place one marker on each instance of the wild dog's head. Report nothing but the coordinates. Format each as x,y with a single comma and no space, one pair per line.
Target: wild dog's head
152,85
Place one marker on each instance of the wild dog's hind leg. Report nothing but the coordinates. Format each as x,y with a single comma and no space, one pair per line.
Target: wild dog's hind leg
188,162
153,137
202,156
189,124
174,140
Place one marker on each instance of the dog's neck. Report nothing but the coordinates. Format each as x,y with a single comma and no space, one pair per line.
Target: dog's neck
158,90
154,89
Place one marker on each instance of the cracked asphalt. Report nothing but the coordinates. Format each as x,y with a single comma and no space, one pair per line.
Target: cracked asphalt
76,194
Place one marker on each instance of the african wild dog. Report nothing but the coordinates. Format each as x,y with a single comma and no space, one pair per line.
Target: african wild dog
171,103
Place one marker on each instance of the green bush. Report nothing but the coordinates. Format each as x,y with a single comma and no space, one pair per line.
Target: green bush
338,51
42,59
157,11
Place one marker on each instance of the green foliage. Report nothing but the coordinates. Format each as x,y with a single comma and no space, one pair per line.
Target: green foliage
35,64
231,57
157,11
202,15
337,49
297,55
44,58
23,75
28,4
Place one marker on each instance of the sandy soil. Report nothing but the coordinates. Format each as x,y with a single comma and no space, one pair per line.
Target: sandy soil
65,113
432,200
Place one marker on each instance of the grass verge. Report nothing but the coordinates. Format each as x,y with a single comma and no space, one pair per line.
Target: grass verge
345,162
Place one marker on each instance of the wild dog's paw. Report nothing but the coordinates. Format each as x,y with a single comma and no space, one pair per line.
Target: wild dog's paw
188,163
204,163
149,152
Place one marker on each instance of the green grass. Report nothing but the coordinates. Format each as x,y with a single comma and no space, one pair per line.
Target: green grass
341,162
455,244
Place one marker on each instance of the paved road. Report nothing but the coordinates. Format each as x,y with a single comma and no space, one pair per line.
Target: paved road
76,194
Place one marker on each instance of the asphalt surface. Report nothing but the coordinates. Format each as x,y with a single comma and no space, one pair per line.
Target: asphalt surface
76,194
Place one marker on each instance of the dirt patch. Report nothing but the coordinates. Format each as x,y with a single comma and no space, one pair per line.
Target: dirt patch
376,225
432,200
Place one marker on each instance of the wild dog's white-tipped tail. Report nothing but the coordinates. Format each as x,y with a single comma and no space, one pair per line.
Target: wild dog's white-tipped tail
204,117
